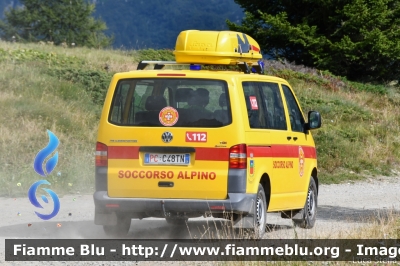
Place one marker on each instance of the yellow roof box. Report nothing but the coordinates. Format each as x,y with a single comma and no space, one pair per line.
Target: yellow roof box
216,47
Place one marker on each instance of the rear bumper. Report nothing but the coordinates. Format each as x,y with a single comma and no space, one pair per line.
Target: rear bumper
105,206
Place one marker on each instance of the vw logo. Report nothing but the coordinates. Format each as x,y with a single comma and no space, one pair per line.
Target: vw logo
166,137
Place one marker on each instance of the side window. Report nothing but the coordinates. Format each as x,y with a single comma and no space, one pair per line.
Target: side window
264,105
252,97
295,115
274,111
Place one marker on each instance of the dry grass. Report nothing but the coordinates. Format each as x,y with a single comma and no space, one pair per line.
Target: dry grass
382,226
359,133
30,104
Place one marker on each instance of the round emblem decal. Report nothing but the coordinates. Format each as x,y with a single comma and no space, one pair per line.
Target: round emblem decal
168,116
301,161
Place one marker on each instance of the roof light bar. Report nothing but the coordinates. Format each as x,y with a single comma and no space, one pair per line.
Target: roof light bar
195,67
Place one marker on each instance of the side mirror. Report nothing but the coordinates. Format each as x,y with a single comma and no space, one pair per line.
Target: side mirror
314,120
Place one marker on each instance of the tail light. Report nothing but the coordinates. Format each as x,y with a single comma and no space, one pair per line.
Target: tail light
101,154
238,157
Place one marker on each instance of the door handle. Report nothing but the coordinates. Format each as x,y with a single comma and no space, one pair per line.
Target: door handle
165,184
289,138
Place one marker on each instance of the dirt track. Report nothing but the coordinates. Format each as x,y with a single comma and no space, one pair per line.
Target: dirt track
341,209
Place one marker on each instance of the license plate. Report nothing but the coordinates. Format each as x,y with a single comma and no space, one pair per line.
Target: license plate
162,158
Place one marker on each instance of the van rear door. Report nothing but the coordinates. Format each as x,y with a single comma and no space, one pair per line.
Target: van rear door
167,138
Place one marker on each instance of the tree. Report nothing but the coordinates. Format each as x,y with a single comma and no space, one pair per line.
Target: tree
58,21
156,23
359,39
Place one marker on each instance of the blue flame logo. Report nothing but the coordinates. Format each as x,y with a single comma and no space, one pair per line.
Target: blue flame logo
49,167
43,154
35,202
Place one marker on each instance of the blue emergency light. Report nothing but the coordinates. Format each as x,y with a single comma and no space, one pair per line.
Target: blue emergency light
195,67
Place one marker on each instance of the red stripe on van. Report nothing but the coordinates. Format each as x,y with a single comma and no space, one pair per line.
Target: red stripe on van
259,151
310,152
282,151
285,151
123,152
292,151
212,154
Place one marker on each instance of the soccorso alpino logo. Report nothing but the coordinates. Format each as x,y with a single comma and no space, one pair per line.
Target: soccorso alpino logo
44,169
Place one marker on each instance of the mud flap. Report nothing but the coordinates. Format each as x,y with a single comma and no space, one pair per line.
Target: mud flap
247,221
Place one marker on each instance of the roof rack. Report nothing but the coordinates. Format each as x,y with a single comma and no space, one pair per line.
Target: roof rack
158,65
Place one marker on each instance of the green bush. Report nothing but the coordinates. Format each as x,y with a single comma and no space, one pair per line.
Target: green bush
151,54
94,81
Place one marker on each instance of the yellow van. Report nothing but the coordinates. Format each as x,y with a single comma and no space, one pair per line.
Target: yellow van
205,135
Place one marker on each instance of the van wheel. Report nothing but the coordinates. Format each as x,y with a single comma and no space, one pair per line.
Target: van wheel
309,213
177,222
121,229
260,213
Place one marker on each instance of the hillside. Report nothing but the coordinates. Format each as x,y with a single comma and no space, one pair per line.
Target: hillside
60,89
156,23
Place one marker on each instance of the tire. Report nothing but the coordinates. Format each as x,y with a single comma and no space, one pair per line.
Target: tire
309,213
260,216
121,229
177,222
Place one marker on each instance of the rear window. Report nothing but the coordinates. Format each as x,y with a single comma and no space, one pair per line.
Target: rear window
173,102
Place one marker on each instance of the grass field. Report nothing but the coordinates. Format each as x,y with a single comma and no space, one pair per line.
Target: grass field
61,89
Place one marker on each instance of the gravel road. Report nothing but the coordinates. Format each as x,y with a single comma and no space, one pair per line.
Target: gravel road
342,208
